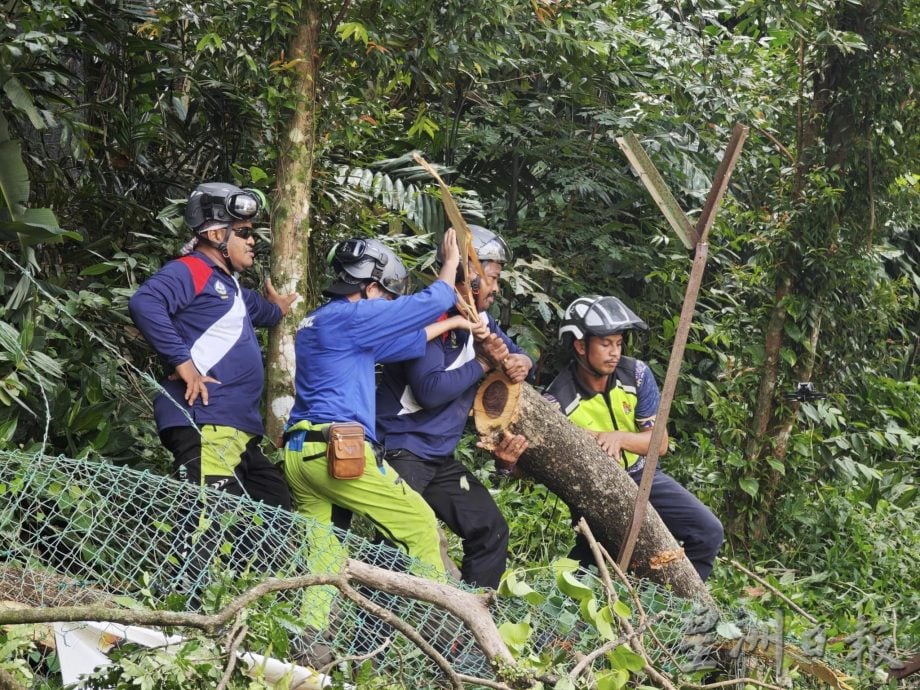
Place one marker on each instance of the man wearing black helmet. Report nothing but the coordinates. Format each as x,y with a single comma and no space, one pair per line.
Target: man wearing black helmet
337,347
616,398
202,323
423,405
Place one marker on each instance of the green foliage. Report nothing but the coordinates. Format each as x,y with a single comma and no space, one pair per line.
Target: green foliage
107,113
17,650
195,663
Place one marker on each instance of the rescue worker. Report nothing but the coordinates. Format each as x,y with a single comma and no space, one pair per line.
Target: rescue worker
422,408
202,323
616,398
337,347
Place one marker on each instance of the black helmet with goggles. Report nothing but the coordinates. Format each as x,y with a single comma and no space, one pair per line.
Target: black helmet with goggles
360,261
220,203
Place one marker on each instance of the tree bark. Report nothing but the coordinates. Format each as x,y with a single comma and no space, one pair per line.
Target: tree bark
291,220
568,461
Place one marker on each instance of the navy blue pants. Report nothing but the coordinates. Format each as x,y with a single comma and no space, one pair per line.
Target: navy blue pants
688,519
463,504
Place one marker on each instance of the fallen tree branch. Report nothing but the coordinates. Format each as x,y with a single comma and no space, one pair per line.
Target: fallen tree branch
358,657
638,604
410,633
469,607
208,623
589,658
795,607
234,640
496,685
632,636
733,681
567,460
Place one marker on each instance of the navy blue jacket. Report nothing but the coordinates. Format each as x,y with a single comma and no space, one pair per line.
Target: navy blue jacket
423,404
191,309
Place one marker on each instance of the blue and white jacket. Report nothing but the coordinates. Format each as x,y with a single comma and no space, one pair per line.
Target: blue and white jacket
423,404
192,309
338,345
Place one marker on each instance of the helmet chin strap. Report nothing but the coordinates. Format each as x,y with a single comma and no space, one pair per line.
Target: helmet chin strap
221,246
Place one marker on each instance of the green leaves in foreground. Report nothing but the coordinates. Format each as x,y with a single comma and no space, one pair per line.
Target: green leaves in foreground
18,222
580,603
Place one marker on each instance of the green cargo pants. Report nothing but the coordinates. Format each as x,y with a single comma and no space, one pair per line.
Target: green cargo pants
399,513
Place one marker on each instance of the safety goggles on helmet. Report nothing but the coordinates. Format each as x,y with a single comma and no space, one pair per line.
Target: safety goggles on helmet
243,205
220,203
355,250
358,260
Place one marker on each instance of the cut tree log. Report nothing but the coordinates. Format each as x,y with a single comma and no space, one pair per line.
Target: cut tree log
568,461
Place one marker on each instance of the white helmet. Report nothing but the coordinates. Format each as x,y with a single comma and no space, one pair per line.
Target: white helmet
596,315
488,246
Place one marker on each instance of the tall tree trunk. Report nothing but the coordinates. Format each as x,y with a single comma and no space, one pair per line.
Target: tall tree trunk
773,341
781,434
291,220
827,136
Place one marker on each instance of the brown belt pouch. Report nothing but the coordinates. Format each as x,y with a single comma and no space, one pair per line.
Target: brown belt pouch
345,452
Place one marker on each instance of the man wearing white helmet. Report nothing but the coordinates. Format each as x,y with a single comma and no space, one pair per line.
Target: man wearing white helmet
423,405
202,323
616,398
337,347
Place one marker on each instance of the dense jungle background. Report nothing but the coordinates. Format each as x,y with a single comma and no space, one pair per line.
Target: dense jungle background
112,111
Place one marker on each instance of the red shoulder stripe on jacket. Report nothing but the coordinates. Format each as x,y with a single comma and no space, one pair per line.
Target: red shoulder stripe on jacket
199,269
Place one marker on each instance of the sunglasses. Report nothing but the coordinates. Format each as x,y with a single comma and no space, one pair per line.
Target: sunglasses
244,233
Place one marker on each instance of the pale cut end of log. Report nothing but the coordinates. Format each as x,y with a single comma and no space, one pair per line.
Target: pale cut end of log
495,407
661,559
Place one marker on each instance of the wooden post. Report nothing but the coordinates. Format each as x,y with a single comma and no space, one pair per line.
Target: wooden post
716,192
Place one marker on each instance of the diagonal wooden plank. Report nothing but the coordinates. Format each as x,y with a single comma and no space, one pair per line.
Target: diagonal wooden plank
464,236
716,192
657,187
720,182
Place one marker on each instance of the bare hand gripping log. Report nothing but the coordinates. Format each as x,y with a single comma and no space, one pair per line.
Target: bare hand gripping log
568,461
